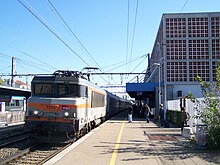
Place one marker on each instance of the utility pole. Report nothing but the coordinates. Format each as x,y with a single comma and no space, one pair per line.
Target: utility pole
13,71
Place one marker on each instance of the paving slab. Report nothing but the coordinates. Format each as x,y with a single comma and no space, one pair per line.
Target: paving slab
119,142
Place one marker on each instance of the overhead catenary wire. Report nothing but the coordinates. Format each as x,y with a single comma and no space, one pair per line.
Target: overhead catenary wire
183,6
124,63
18,62
32,65
121,62
8,56
142,75
52,31
45,64
146,71
5,67
48,27
74,35
139,64
4,55
181,11
127,44
177,17
29,64
134,28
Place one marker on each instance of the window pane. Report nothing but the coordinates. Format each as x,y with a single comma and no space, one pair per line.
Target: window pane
42,89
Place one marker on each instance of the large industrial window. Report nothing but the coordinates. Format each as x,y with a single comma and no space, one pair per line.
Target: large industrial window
198,27
198,49
176,27
97,100
176,49
176,71
215,24
216,49
199,69
214,67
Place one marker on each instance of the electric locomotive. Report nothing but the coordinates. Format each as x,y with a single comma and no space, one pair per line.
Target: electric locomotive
65,105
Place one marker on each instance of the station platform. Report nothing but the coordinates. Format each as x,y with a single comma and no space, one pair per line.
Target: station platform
5,128
118,142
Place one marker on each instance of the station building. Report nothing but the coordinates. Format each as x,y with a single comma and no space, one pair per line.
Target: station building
187,45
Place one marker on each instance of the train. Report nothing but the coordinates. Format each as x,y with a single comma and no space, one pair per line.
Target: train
65,105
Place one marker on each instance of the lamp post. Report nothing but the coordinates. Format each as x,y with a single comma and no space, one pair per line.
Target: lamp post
159,87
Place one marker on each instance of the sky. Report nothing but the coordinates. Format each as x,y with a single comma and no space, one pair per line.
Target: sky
113,35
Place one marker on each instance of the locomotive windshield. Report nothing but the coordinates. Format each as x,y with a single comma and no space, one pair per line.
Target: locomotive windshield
42,89
58,90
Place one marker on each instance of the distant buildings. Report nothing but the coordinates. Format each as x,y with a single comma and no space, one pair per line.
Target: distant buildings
186,45
18,84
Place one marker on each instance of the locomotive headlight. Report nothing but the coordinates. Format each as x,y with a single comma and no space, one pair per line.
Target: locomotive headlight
36,112
66,114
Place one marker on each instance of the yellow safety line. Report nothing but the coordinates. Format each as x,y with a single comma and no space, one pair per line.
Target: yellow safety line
112,162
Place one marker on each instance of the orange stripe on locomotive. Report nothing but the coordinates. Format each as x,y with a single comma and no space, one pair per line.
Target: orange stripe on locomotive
56,107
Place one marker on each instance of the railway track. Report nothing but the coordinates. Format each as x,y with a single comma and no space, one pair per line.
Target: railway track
7,140
12,145
17,147
36,154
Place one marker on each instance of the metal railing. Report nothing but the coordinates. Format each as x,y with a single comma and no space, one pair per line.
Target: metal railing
11,117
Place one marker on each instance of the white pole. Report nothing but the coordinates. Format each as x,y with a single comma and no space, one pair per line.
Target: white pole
159,89
159,86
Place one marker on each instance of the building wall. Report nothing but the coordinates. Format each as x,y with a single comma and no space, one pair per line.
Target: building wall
192,46
187,45
18,84
185,89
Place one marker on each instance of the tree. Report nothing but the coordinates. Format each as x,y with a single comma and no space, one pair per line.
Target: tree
209,114
1,81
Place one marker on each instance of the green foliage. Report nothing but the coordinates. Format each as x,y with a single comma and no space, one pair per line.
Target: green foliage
218,75
208,110
174,117
1,81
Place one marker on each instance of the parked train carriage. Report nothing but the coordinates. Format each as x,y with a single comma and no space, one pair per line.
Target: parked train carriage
124,104
115,104
64,106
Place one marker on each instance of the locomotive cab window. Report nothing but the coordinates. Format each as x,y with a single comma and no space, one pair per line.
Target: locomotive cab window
41,89
72,90
68,90
59,90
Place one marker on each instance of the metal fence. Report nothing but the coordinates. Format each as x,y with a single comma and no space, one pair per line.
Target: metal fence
190,108
11,117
